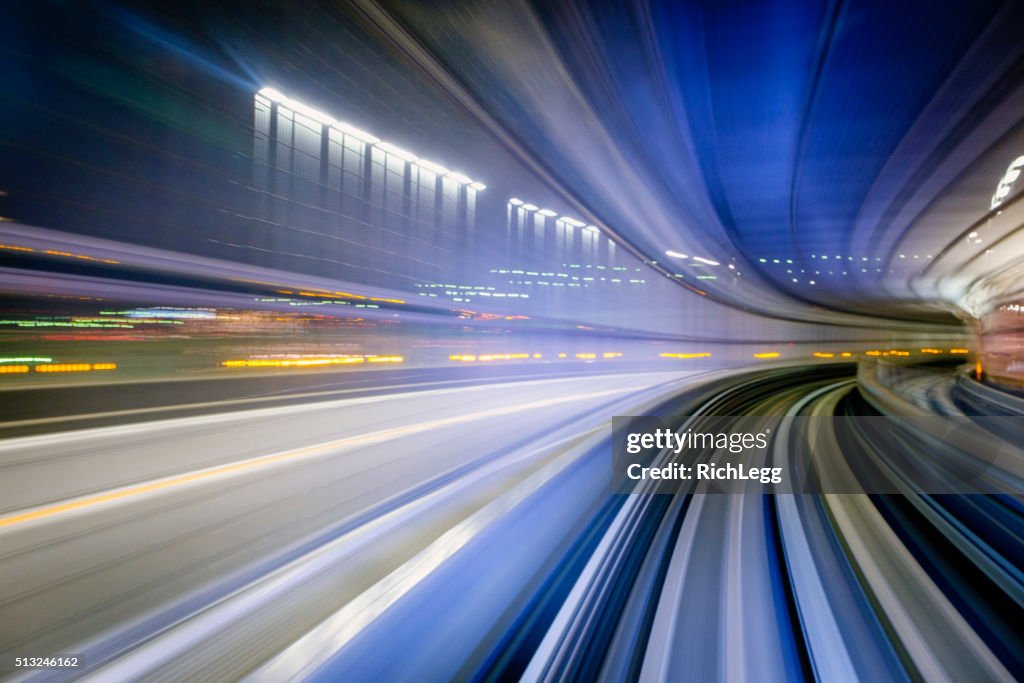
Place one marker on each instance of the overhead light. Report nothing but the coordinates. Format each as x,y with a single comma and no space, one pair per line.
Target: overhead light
310,112
397,151
272,95
348,129
592,228
706,260
675,254
572,221
547,212
530,207
276,96
515,202
459,178
298,107
432,167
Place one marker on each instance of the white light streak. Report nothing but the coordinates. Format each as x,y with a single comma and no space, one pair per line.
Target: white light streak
298,107
397,151
349,129
460,178
272,95
432,167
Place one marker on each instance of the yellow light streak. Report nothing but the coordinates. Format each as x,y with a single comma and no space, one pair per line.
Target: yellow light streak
702,354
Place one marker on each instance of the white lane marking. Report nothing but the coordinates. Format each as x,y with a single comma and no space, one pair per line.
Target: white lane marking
133,491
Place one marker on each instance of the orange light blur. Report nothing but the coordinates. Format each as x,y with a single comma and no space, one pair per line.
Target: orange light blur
702,354
317,361
486,357
64,367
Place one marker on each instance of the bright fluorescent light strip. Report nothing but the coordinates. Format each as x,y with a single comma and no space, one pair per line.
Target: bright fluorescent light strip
676,254
706,260
356,132
397,151
272,95
275,95
460,178
432,167
298,107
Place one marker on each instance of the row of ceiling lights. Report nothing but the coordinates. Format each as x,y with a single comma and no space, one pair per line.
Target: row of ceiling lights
548,213
327,120
698,259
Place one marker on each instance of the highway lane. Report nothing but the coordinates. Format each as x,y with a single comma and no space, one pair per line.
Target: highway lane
341,553
113,534
39,408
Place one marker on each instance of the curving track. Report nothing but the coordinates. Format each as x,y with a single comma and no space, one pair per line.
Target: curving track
327,542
